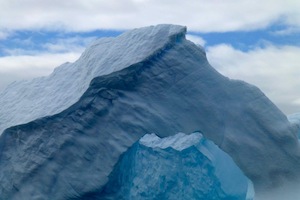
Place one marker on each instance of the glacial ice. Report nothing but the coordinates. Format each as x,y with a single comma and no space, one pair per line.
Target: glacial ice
149,80
31,99
176,167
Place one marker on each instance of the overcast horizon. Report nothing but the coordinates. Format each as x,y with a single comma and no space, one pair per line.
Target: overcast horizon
254,41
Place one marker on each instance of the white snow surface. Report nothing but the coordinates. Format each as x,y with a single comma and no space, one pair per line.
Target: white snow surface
24,101
178,142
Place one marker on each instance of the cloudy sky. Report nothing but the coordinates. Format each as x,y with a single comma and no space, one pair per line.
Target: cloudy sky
252,40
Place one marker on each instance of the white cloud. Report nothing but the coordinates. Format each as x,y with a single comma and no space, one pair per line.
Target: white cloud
3,34
72,44
20,63
287,31
30,66
196,39
275,70
75,44
198,15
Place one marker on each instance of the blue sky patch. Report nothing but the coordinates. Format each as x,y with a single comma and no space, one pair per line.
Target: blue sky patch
247,40
31,42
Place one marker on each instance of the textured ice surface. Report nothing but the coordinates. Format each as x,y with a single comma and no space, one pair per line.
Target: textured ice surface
172,89
28,100
232,181
176,167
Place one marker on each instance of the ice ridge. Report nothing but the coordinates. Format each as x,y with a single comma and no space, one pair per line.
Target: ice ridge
28,100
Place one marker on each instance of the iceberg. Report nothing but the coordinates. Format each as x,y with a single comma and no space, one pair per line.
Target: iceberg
64,135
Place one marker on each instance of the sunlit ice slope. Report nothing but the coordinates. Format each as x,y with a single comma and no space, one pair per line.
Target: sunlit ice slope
25,101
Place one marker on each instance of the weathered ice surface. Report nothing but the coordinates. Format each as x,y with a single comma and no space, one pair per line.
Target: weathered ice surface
170,88
28,100
175,167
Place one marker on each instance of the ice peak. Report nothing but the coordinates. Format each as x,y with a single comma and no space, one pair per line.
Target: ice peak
28,100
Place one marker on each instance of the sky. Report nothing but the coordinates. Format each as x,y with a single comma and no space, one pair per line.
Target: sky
251,40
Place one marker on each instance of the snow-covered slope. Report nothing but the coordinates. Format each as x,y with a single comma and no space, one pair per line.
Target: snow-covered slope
171,89
28,100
